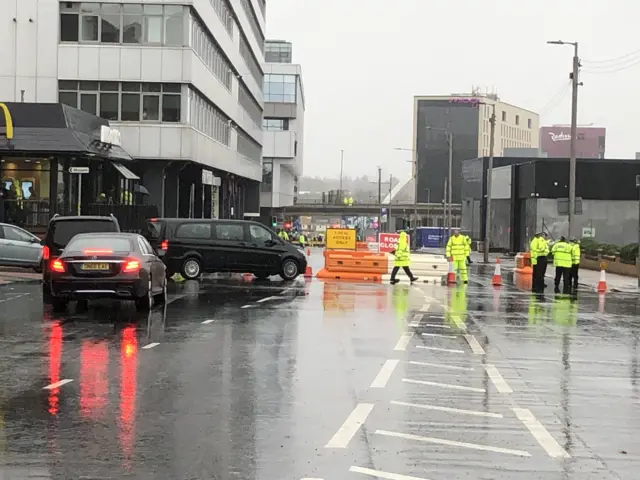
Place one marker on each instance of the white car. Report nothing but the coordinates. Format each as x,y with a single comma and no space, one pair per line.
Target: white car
19,248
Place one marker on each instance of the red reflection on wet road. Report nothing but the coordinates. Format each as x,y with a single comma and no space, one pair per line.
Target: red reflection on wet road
55,361
128,383
94,383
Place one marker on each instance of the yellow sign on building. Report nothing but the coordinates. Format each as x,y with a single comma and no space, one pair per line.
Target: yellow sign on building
341,238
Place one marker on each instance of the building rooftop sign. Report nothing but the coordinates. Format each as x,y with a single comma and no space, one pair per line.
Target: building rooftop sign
466,100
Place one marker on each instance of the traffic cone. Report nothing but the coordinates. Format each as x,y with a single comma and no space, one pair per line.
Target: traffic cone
247,277
602,284
308,252
308,273
601,303
497,276
451,275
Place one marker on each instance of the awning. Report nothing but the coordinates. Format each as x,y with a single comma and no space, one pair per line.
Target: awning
125,172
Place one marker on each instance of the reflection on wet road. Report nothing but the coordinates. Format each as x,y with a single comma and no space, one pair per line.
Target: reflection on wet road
273,380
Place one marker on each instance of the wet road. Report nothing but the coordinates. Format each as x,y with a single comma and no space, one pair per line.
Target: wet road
313,380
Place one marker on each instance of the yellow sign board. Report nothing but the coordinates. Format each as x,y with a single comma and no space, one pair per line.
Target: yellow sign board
341,239
8,121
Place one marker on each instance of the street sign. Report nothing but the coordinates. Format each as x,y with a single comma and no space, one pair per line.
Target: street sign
341,239
588,232
389,242
79,170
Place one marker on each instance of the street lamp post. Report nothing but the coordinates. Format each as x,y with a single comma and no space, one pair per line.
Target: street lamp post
341,169
487,221
574,127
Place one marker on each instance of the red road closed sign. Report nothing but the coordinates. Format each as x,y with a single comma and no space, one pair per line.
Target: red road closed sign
389,242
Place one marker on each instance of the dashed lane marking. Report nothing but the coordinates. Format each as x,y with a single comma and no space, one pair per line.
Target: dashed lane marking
498,381
417,317
384,374
14,297
447,409
57,384
267,299
151,345
425,307
404,340
206,322
476,348
351,425
444,385
540,433
435,325
384,475
438,349
246,306
439,335
452,443
439,365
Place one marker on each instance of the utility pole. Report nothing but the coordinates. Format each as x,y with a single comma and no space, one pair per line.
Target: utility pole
450,182
487,221
574,133
389,209
341,169
444,203
380,198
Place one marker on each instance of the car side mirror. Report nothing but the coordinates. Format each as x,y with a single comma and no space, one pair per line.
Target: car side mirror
270,243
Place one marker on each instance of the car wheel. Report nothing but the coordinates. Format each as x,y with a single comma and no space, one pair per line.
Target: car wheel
161,298
145,302
290,269
191,269
59,304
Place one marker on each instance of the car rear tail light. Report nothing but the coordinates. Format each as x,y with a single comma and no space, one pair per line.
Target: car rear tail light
131,266
46,253
164,245
97,251
57,265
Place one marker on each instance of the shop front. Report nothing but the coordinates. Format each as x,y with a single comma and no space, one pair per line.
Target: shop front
58,160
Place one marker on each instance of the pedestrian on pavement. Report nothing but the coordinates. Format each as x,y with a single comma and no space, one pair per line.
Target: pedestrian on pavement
539,249
457,252
402,259
575,257
562,259
468,240
302,240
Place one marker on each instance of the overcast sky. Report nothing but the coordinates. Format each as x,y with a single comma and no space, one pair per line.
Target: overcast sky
364,60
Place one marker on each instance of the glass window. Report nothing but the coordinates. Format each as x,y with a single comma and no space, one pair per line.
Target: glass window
130,87
132,24
173,25
63,231
69,25
152,29
110,23
69,98
200,231
89,25
229,231
130,107
108,86
89,103
17,235
109,244
170,108
259,234
150,107
109,106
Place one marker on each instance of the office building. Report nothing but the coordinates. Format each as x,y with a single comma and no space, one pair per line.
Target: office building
283,127
182,82
555,141
466,116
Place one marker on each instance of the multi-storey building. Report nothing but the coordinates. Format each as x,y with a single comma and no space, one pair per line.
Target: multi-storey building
466,117
182,81
283,126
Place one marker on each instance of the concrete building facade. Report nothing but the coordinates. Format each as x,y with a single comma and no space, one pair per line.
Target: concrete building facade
182,81
283,128
467,117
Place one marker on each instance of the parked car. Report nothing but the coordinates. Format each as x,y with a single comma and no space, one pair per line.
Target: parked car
61,230
19,248
108,265
195,246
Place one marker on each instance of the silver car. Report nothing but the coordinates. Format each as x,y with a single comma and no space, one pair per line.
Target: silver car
19,248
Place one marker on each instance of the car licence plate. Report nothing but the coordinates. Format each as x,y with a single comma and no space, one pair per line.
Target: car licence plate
95,267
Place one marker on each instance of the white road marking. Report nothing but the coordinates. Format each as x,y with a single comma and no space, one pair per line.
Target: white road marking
384,374
351,425
458,321
438,365
447,409
476,348
381,474
435,325
211,320
310,478
417,317
151,345
438,335
496,378
57,384
405,338
425,307
246,306
540,433
444,385
268,299
438,349
452,443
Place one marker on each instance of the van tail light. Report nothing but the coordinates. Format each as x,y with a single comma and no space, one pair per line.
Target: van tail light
57,265
46,253
131,266
164,245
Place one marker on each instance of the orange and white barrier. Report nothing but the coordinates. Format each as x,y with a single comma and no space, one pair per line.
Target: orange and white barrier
602,284
497,275
451,274
523,264
350,265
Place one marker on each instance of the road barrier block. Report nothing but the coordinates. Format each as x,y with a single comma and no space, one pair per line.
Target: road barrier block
523,264
353,265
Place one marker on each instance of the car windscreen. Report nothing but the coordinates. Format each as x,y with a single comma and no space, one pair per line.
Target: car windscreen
101,245
65,230
152,230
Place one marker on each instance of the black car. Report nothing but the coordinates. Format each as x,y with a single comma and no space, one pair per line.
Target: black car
61,230
195,246
108,265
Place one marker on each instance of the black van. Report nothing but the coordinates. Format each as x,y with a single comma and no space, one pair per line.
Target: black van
195,246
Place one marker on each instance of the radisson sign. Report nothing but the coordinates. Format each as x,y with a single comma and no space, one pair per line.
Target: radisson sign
465,100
